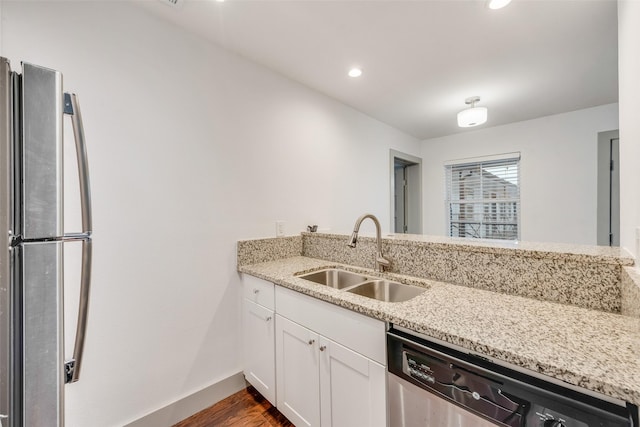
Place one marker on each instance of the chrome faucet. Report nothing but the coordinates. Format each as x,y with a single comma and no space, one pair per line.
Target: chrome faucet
381,261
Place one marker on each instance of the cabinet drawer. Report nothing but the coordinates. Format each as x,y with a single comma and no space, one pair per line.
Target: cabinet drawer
258,291
356,331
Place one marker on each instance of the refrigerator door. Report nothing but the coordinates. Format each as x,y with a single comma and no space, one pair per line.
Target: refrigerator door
41,267
42,108
32,367
6,189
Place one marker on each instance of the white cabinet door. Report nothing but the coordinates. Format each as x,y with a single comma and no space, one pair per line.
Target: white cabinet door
259,349
297,368
352,388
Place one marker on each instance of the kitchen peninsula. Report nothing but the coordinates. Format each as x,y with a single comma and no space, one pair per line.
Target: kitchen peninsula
564,311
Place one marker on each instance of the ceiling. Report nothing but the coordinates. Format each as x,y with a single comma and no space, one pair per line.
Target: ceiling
421,59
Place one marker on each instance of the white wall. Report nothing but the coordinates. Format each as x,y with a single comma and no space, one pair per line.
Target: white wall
191,148
558,172
629,88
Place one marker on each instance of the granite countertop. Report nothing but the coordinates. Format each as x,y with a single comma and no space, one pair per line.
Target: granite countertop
588,348
566,251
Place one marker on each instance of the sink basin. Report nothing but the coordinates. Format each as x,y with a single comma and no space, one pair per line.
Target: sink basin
384,290
335,278
348,281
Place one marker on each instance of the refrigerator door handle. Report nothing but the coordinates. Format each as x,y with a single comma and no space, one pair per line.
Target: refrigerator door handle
72,367
72,108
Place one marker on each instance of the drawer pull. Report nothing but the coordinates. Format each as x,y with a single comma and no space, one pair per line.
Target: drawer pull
311,342
323,347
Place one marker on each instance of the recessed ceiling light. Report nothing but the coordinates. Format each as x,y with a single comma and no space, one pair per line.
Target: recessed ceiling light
498,4
355,72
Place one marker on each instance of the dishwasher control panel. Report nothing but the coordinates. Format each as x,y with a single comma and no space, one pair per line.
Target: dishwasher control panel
496,393
463,387
417,370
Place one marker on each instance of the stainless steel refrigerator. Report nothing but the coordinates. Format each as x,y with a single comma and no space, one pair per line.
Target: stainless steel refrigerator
33,369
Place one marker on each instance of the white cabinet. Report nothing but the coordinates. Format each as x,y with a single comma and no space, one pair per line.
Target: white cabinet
319,364
352,388
297,367
259,336
321,382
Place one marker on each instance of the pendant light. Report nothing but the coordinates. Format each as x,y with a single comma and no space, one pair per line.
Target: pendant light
473,116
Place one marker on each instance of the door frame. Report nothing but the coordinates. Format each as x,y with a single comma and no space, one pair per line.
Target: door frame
608,202
415,187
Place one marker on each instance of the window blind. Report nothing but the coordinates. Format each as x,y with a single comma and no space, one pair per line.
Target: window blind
483,199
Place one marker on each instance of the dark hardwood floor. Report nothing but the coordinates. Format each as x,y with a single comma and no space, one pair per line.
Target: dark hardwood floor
245,408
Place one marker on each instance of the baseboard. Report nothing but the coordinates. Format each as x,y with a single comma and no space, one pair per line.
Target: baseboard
187,406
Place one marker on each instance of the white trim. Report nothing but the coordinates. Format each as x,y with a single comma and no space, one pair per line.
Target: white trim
483,159
192,404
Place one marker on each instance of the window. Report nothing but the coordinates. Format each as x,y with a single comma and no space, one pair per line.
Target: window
483,198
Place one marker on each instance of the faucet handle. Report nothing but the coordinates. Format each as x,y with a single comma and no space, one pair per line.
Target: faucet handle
382,262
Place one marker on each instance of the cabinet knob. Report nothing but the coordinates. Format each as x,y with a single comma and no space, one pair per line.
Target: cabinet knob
268,319
255,291
311,342
323,347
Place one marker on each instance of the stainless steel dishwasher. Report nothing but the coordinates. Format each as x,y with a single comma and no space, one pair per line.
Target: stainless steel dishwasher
433,385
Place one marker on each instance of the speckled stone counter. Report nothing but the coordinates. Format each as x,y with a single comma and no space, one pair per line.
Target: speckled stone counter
630,285
580,275
252,251
593,349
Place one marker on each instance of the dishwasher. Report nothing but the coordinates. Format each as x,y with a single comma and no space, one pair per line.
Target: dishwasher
434,385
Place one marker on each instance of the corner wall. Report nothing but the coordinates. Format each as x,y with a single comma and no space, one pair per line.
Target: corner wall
191,148
629,87
558,172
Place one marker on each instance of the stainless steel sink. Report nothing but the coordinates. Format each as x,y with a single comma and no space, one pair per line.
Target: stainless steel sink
384,290
359,284
335,278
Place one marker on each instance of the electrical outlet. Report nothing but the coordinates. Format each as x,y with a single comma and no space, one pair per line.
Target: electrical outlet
279,228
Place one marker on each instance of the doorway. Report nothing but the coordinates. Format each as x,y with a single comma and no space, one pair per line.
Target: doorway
406,193
608,188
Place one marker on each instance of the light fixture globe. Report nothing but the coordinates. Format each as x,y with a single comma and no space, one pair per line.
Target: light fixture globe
498,4
473,116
